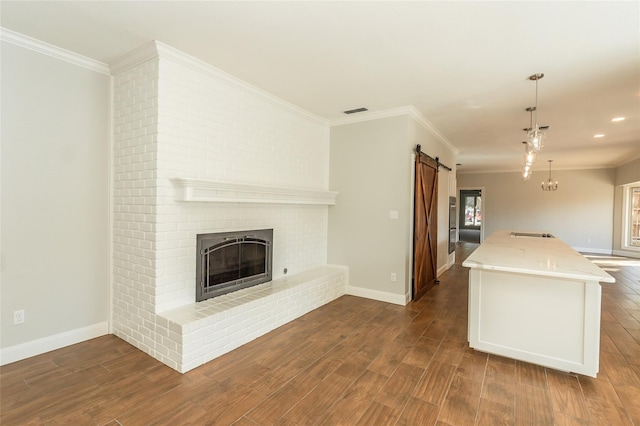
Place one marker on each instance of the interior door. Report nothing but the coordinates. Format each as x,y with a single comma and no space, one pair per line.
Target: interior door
425,225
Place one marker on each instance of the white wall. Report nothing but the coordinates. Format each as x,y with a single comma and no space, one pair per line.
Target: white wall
629,172
55,200
370,164
371,168
580,212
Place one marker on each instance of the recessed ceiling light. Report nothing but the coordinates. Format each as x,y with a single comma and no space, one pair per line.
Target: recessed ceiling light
618,119
599,135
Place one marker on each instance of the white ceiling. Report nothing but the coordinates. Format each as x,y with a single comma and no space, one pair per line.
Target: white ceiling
463,65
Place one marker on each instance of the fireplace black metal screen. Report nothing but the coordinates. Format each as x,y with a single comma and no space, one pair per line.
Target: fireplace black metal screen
230,261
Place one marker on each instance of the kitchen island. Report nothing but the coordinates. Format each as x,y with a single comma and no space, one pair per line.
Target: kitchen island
533,298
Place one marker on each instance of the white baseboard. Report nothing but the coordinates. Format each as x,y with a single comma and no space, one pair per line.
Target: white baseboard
382,296
50,343
444,268
627,253
593,250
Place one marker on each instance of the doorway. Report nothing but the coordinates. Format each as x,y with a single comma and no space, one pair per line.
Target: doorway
470,220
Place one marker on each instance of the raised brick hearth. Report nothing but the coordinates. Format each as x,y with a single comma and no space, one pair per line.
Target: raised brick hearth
178,120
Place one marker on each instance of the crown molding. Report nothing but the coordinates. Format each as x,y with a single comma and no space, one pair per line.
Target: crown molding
157,49
133,58
539,169
409,110
197,65
432,129
627,161
35,45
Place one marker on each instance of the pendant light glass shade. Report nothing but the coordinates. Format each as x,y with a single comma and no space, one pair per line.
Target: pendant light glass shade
535,139
526,168
527,161
530,157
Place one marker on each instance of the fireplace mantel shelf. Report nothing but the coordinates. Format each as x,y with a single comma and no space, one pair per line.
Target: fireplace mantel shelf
226,192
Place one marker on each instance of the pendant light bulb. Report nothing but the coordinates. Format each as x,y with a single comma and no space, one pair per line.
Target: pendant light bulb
530,157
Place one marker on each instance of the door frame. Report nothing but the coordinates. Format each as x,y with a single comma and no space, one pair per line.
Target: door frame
461,213
408,285
482,208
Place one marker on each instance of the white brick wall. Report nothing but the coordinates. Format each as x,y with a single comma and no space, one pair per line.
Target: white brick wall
173,120
135,188
210,130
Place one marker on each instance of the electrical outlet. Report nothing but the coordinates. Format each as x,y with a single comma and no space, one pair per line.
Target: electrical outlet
393,277
18,317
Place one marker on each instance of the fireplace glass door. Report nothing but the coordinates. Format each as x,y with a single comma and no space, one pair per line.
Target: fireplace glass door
231,261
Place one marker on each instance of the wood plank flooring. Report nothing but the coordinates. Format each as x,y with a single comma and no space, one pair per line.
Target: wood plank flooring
352,362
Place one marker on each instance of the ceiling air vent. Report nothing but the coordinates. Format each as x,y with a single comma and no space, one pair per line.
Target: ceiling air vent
353,111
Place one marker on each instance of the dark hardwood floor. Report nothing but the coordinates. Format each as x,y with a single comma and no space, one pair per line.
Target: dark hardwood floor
352,362
469,235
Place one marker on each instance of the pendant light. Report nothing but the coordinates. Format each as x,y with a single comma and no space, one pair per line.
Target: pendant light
550,185
526,171
528,160
535,135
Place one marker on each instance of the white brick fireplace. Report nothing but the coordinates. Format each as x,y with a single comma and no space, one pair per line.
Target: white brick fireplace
197,151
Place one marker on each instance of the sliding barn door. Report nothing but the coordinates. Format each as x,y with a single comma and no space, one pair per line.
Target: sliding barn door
425,225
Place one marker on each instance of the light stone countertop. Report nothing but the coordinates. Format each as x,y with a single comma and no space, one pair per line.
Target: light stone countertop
530,255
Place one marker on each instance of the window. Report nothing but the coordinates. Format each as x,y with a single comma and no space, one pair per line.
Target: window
633,217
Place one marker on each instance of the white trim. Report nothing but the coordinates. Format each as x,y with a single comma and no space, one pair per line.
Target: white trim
626,253
35,45
627,217
631,248
176,56
134,58
50,343
227,192
626,161
538,168
160,50
593,250
444,268
110,186
408,285
482,190
415,114
409,110
382,296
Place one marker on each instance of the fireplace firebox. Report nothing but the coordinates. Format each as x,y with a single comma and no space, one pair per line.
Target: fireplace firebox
230,261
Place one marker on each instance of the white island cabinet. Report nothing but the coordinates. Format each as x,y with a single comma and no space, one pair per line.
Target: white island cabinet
535,299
